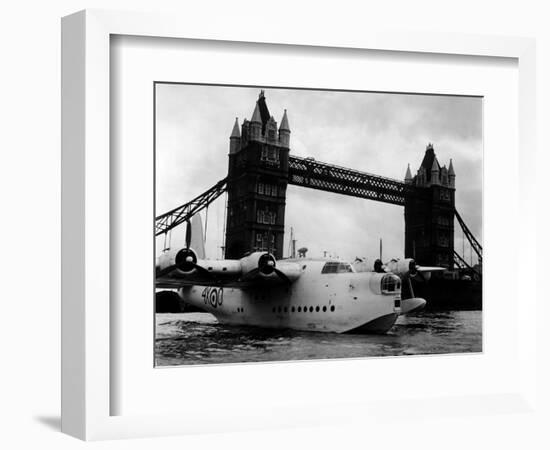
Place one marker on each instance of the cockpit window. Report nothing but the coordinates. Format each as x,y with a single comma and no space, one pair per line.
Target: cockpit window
336,267
390,283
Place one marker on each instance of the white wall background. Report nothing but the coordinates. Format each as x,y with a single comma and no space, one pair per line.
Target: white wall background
30,193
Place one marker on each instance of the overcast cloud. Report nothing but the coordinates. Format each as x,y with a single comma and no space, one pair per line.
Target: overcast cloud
372,132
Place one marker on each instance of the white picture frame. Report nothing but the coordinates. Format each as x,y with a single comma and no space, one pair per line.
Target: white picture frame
87,320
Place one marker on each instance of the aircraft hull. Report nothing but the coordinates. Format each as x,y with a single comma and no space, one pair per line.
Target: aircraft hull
338,303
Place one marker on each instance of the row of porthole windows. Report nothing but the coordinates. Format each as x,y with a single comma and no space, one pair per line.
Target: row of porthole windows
286,309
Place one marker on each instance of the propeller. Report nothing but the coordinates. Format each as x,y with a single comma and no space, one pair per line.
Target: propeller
266,267
186,258
379,266
188,232
266,264
282,276
413,268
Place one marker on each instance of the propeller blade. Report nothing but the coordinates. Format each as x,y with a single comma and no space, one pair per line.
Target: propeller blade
282,276
161,272
188,235
251,274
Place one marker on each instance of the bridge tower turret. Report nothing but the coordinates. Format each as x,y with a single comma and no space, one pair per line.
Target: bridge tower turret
235,138
284,132
256,187
429,213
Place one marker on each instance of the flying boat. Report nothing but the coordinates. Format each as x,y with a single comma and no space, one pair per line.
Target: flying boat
310,294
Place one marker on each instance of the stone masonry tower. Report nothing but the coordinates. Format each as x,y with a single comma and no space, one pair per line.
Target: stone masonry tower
429,212
258,177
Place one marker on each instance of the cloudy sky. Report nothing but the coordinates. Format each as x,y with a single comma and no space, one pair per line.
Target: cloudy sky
373,132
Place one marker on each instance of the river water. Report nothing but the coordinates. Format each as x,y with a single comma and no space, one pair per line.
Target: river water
197,338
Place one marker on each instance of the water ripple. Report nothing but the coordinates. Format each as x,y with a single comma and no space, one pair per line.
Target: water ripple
197,338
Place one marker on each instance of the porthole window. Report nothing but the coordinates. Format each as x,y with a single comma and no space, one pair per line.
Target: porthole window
286,309
293,309
311,309
317,309
332,308
299,309
279,309
324,309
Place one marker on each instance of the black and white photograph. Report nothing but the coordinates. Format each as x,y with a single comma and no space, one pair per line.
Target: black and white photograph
302,224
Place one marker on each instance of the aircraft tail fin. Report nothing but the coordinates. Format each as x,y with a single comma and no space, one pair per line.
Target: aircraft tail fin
197,238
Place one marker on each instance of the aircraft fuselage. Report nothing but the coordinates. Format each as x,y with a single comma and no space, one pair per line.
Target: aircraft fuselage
316,301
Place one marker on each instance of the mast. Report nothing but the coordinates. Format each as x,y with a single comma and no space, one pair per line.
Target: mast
292,244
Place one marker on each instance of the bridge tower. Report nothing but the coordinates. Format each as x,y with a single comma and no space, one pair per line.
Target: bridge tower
429,212
257,182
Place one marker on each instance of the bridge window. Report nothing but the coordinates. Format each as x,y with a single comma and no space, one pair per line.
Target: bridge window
265,242
266,216
270,154
336,267
443,220
267,189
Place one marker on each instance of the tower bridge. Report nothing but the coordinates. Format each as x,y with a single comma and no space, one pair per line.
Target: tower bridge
260,169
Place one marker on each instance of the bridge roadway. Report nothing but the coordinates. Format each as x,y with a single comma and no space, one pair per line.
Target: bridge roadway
308,172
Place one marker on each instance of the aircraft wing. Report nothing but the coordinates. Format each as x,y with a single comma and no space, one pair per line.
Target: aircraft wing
182,268
429,269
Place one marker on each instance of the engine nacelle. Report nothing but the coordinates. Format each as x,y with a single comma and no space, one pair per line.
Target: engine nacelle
263,261
402,267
